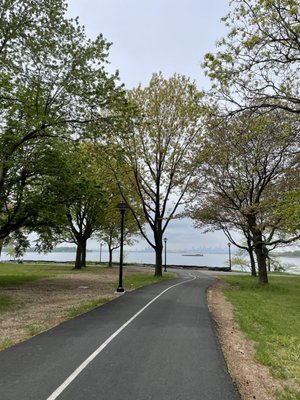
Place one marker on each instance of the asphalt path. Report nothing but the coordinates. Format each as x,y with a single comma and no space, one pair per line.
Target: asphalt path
157,342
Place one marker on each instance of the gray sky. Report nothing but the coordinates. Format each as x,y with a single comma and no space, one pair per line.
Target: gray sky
158,35
154,35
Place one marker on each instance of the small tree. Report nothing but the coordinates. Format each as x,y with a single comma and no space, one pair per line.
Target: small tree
109,231
239,260
214,213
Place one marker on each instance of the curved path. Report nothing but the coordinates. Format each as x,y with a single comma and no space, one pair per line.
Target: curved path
157,342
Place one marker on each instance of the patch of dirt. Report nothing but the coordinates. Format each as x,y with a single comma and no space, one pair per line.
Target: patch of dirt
42,304
252,378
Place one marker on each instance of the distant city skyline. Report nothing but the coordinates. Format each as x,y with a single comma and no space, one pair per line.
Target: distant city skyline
181,236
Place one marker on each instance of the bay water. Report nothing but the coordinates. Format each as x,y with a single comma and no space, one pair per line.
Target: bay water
147,257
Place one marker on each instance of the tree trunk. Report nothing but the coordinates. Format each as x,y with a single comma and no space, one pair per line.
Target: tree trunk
83,254
251,255
158,246
261,257
259,249
252,263
110,254
262,266
78,260
158,261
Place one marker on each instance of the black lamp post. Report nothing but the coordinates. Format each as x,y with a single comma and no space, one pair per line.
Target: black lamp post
229,255
122,208
165,240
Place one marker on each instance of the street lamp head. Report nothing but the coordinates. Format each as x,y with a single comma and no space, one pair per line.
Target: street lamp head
122,206
229,244
165,240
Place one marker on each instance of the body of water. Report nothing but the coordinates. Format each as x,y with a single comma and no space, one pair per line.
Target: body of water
207,260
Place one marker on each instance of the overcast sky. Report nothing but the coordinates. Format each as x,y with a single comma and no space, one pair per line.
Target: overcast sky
158,35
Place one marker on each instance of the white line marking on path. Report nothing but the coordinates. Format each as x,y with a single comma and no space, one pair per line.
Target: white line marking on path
85,363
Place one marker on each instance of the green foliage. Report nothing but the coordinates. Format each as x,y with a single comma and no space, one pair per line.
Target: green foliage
80,195
159,151
270,316
257,62
246,174
53,86
108,230
240,261
289,208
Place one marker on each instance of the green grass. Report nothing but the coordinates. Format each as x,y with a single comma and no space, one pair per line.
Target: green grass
34,329
85,306
6,302
5,342
137,280
15,274
270,315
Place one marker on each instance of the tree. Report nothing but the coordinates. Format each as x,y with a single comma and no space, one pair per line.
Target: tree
214,213
81,197
109,232
159,153
257,64
109,229
53,84
239,260
288,209
32,206
245,176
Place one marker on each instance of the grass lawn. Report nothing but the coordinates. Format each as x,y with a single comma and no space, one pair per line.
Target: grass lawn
271,317
16,274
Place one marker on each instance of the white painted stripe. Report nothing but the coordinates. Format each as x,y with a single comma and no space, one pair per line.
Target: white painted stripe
81,367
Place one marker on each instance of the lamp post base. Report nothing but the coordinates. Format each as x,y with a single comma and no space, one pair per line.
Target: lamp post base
120,290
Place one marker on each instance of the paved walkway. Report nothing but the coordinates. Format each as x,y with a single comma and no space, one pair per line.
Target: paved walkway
155,343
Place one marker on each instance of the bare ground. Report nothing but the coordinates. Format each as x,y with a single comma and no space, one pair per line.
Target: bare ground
42,304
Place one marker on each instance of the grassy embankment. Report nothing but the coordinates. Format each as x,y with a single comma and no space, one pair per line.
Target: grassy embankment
270,316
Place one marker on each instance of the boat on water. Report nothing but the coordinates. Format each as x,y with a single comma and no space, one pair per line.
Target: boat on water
193,255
